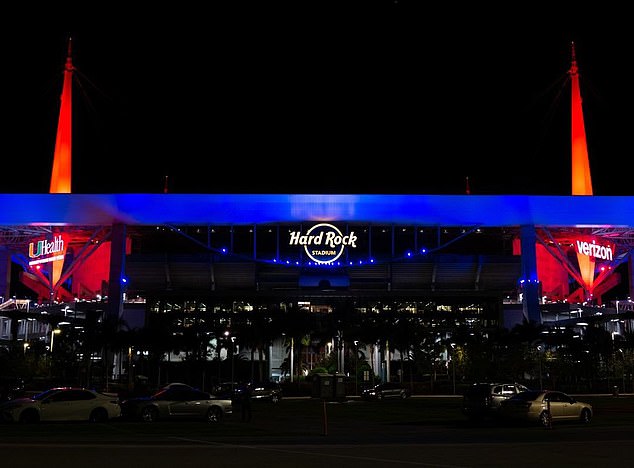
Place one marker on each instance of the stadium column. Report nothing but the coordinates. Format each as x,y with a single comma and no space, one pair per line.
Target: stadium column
630,274
530,281
117,270
5,272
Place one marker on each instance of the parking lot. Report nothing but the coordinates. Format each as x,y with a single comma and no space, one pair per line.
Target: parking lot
419,431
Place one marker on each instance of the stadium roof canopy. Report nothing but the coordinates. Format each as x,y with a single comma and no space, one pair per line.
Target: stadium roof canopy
242,209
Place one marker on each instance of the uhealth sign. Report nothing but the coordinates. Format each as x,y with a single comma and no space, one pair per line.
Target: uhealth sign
44,250
51,251
323,243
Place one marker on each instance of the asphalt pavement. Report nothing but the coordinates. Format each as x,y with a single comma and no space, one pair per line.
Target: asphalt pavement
307,433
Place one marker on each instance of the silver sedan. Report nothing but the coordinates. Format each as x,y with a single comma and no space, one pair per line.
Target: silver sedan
546,406
177,403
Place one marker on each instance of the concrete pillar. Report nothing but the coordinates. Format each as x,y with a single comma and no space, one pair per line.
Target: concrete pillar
530,281
630,271
5,273
117,270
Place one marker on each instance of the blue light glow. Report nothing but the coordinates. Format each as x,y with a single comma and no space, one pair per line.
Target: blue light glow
236,209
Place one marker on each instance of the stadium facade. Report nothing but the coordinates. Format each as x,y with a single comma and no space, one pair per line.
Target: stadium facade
493,261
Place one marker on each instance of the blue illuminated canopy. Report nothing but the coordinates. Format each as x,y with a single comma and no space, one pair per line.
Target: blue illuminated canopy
242,209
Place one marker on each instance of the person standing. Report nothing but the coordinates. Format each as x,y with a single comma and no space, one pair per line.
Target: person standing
245,403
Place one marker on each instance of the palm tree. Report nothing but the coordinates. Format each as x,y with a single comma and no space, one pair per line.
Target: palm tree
158,339
109,335
250,330
403,338
297,328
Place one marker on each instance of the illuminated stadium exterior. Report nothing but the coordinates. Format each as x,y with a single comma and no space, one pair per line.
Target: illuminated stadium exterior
489,262
450,254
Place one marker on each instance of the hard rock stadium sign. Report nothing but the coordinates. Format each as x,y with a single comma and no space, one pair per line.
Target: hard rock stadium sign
323,243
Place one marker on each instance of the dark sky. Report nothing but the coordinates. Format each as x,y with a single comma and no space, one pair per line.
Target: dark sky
388,98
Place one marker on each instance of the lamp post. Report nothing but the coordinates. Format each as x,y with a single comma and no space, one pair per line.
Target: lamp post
339,351
539,357
292,358
228,336
130,376
453,366
54,332
356,367
233,351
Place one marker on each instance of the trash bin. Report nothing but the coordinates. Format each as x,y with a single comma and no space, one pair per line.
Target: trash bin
323,386
329,386
339,391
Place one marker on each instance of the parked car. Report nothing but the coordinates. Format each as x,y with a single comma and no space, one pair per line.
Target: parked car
483,399
11,387
62,404
263,391
177,385
266,391
228,390
386,390
177,402
545,407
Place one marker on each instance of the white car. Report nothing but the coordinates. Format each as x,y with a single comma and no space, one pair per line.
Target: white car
62,404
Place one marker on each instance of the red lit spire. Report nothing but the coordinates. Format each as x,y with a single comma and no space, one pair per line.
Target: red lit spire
581,180
61,174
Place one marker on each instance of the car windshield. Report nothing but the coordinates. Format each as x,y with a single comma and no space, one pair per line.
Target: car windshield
528,395
181,394
44,394
478,389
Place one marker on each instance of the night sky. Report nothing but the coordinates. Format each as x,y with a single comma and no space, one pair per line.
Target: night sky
392,98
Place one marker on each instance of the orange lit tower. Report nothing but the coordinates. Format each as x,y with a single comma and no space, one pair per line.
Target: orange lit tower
62,161
556,249
80,267
581,180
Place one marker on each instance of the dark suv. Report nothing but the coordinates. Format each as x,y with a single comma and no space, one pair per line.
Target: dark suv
268,391
482,400
386,390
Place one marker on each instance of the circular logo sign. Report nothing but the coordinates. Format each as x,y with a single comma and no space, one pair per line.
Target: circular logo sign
323,243
327,251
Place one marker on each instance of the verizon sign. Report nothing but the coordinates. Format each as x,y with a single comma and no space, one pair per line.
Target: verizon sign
323,243
592,249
